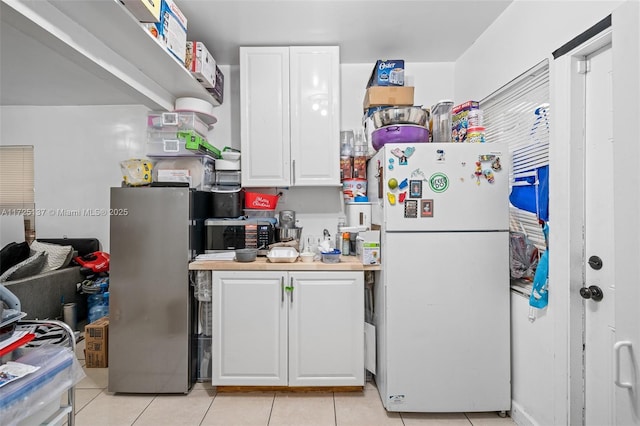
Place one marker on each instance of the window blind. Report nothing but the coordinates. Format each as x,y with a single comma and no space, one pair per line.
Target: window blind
518,114
16,179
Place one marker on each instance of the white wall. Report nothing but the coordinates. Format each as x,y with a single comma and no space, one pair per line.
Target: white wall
525,34
77,151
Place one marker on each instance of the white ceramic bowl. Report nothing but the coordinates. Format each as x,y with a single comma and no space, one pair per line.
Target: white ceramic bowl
230,155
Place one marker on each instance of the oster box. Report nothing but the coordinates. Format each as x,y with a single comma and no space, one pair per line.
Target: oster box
387,73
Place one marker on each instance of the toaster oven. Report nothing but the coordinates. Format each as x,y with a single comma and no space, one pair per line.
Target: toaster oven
231,234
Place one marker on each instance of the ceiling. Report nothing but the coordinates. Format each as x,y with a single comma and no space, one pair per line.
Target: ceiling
415,30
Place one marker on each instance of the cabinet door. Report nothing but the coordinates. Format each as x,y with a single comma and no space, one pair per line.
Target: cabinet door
315,115
326,329
264,116
249,328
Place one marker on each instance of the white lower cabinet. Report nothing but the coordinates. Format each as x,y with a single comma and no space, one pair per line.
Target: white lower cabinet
278,328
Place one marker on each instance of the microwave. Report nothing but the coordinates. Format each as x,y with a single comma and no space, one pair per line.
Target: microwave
231,234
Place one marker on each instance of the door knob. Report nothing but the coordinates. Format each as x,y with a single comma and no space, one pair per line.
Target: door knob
592,292
595,262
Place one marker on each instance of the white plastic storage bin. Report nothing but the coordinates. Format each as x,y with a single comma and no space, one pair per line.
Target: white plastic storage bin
197,171
176,121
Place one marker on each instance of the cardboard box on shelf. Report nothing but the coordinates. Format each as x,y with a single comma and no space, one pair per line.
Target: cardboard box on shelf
387,73
96,350
171,30
201,63
218,90
143,10
368,247
388,95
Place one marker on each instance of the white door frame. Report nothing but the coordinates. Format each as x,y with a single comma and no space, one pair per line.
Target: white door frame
566,264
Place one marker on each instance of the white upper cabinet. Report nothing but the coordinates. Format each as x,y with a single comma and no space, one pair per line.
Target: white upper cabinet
61,52
290,116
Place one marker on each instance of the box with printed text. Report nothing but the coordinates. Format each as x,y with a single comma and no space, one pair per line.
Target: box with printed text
171,30
387,73
201,63
96,350
368,247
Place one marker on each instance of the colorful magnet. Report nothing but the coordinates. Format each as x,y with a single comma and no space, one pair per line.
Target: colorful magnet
397,152
440,155
391,198
411,208
403,196
392,183
478,172
426,208
439,182
390,166
403,184
496,166
487,157
416,189
488,173
408,151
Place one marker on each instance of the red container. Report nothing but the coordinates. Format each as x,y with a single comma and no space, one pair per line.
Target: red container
256,200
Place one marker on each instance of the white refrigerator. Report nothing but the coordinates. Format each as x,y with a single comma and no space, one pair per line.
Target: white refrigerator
441,299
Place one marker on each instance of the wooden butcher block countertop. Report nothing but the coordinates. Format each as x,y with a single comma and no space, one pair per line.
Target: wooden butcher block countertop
347,263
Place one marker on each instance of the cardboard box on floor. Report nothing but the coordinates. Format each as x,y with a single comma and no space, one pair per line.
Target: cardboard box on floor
96,337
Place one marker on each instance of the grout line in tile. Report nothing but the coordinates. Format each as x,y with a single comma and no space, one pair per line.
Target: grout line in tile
273,402
208,409
144,409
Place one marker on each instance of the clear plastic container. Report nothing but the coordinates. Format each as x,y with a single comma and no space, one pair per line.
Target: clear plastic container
197,171
331,257
441,121
161,143
176,121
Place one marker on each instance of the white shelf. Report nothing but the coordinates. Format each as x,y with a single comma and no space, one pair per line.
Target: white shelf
96,43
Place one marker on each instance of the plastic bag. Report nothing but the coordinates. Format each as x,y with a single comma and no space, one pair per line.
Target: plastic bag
136,172
523,256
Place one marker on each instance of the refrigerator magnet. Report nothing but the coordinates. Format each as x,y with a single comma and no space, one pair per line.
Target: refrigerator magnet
440,156
416,189
439,182
426,208
411,208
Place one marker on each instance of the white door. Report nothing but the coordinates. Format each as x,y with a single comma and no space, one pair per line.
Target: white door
599,241
264,116
315,115
326,329
626,98
249,328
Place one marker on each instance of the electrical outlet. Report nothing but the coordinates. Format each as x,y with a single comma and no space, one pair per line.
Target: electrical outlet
283,196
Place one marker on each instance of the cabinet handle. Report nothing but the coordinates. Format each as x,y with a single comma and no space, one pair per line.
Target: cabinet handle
281,289
293,177
291,286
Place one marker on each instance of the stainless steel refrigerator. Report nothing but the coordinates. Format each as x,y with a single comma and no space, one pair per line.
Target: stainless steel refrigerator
155,232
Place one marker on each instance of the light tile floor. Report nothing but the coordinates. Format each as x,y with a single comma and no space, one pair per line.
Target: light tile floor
204,406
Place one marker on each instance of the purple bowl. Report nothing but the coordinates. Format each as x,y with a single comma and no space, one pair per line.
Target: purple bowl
399,133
